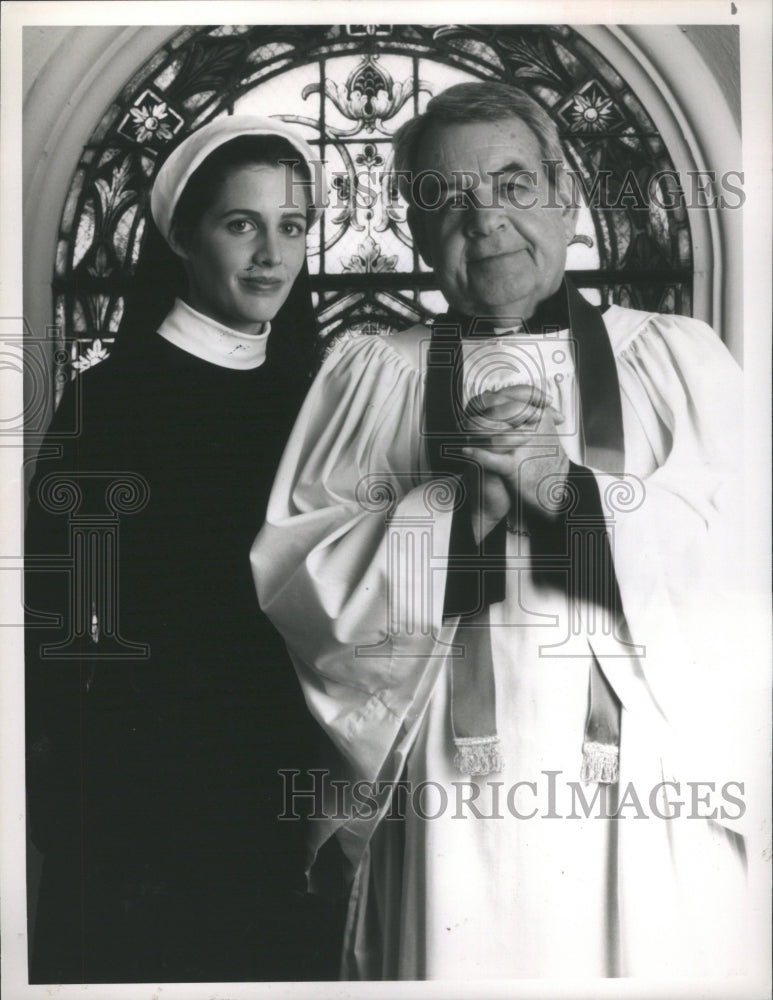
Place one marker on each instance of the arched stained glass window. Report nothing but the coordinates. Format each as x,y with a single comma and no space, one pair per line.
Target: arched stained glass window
348,88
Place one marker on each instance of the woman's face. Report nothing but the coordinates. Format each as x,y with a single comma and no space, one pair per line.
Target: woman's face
247,248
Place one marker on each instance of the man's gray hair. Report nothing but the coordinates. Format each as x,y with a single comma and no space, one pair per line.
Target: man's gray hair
472,102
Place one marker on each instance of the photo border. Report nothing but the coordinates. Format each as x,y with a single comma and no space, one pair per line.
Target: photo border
754,20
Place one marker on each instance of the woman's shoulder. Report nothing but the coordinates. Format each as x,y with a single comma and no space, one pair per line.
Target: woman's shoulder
95,388
114,388
121,359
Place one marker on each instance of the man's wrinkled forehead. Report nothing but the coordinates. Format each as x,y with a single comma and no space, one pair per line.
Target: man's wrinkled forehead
479,148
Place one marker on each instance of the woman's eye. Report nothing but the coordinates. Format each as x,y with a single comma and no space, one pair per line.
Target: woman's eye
240,225
293,228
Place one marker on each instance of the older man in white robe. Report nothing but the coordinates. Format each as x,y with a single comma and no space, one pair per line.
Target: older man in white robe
498,550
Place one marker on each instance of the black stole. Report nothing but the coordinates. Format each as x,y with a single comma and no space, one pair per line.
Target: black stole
475,583
468,590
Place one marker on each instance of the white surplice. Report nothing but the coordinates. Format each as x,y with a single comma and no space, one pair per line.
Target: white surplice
351,568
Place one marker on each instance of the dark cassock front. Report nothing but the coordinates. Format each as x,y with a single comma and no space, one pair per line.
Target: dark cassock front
153,777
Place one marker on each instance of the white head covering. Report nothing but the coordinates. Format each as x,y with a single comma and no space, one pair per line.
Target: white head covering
190,154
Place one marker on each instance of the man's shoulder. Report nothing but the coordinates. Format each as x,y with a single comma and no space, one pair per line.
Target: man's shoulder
402,346
625,326
411,344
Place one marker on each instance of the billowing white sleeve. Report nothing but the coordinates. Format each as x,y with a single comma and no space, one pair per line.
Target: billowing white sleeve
678,548
347,565
682,394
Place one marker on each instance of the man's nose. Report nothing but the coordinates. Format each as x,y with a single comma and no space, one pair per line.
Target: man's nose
484,220
268,252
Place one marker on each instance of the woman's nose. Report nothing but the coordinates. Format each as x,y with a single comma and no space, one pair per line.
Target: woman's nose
268,252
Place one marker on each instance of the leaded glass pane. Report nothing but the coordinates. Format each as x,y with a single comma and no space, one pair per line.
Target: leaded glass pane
479,54
593,295
72,200
685,247
658,222
85,234
59,312
181,37
567,57
123,232
204,113
392,247
287,97
168,74
107,120
621,230
433,302
146,73
439,76
396,305
61,257
230,29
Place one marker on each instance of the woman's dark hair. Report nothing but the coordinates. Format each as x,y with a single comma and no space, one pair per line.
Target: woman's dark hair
160,275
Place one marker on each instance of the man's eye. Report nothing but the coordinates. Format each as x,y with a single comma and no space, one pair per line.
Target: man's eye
457,201
519,185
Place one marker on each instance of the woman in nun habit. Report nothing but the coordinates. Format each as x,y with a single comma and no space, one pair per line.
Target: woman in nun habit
153,779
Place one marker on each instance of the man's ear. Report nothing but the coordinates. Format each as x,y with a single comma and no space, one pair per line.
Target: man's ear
570,213
176,242
570,209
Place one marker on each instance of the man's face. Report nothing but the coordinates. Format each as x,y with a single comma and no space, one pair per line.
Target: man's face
500,250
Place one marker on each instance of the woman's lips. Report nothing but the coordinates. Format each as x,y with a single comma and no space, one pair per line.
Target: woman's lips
258,284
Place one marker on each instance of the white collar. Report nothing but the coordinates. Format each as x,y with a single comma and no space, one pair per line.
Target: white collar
504,331
211,341
520,330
